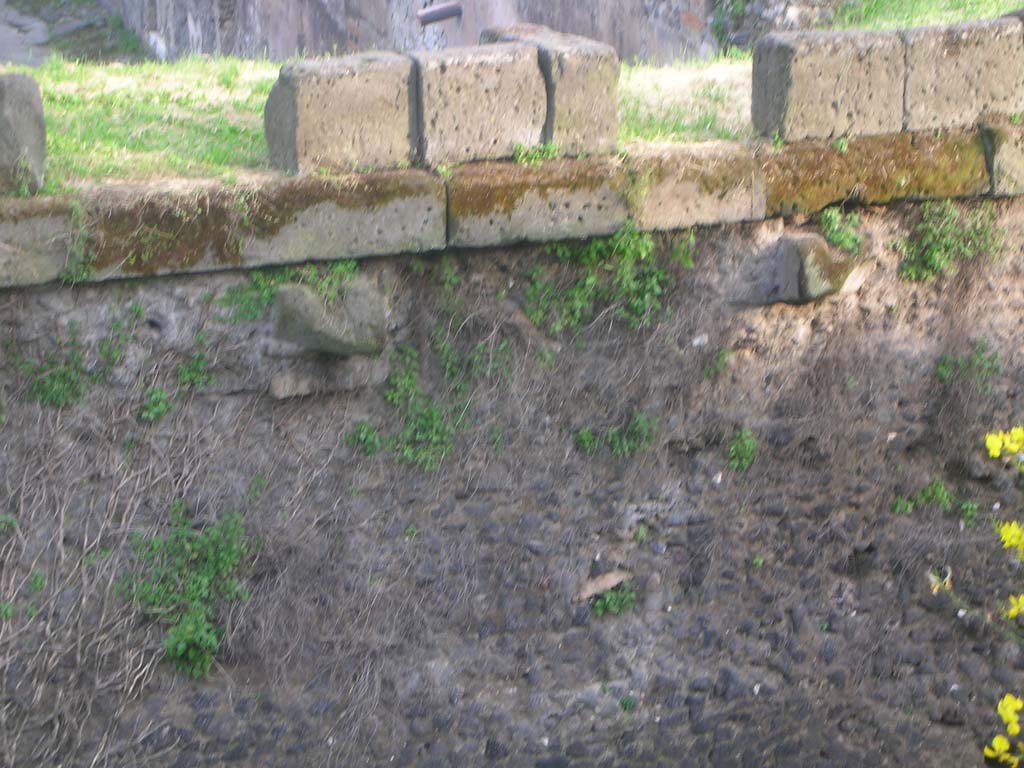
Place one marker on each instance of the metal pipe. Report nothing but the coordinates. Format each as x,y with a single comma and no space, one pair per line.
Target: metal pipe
439,12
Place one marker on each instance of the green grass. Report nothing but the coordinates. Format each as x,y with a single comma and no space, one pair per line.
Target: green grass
196,117
701,120
896,14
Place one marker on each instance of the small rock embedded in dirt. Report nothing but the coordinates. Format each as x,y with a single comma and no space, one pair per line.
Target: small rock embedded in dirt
22,135
601,584
803,267
822,271
354,325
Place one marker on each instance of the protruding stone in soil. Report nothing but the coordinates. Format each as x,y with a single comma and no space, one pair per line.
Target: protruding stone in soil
22,135
355,325
801,268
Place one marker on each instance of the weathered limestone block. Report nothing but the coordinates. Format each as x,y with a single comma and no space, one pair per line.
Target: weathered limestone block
351,113
133,230
356,324
33,241
816,85
373,214
503,203
805,177
954,74
582,79
1004,145
478,103
22,135
674,186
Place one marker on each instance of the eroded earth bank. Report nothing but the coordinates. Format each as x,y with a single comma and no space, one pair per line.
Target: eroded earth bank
399,614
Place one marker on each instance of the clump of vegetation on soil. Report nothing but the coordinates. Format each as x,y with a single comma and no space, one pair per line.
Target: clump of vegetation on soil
65,375
184,578
742,450
427,434
621,272
938,496
365,437
944,236
195,372
157,405
614,601
841,229
635,436
979,367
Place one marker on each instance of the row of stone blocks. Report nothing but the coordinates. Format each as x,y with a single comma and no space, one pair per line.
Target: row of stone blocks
312,217
818,85
526,86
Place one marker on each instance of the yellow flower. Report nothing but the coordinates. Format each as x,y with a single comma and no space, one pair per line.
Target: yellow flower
1000,746
1016,607
1008,708
1012,535
994,444
1017,438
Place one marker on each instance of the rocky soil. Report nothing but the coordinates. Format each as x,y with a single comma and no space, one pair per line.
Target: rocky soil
784,615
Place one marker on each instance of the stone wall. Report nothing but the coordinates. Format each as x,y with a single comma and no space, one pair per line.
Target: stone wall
414,154
661,30
837,84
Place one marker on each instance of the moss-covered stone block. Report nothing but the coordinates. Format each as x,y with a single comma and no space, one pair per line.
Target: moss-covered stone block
503,203
804,177
674,186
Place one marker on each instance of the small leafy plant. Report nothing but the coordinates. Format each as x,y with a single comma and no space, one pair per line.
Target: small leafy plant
614,601
742,450
427,435
945,236
365,437
60,378
841,230
620,271
183,578
978,367
586,441
248,301
157,405
635,436
195,373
